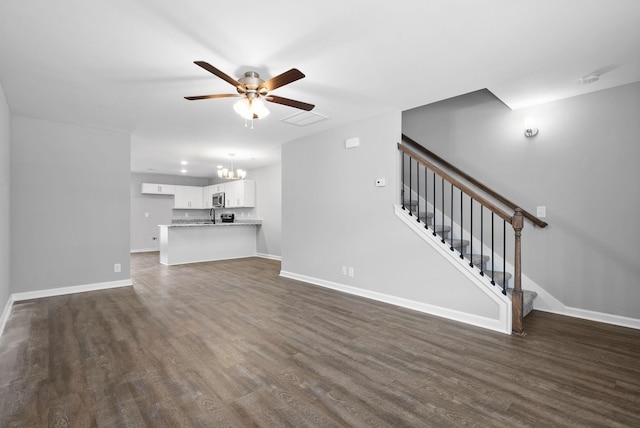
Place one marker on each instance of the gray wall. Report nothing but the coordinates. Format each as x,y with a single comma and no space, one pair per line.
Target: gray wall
5,226
69,205
583,166
159,207
268,208
333,215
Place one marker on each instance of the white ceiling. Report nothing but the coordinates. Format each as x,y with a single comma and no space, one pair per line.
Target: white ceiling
125,65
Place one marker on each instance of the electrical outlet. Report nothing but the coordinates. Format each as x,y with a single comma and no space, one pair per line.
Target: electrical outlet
351,272
541,211
146,215
117,267
381,182
344,270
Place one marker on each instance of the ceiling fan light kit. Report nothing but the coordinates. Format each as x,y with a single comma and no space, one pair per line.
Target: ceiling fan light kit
251,109
253,90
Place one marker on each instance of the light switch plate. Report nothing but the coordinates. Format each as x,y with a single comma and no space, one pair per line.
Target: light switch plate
351,143
541,211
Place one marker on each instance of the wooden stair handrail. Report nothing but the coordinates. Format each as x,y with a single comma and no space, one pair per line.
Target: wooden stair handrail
515,220
457,183
535,220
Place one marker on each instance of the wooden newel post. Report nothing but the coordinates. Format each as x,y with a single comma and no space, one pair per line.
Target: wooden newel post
517,221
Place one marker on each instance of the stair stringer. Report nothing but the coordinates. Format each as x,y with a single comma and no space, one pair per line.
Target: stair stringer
544,301
496,261
503,323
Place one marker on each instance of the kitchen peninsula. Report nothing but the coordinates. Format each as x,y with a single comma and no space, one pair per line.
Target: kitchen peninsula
202,242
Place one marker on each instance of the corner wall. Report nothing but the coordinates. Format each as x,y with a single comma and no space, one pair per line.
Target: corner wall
269,209
583,166
69,206
333,215
5,204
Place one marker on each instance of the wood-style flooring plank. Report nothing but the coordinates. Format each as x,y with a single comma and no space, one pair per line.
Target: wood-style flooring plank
232,344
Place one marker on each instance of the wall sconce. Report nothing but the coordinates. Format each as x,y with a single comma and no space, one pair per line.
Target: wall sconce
530,128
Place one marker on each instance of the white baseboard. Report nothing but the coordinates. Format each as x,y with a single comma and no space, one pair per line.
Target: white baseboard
269,256
596,316
5,314
145,250
476,320
545,302
38,294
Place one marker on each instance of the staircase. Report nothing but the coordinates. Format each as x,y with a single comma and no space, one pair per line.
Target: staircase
470,220
462,250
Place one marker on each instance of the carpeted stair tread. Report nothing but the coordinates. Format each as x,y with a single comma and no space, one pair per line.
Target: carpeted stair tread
498,276
457,244
527,300
477,259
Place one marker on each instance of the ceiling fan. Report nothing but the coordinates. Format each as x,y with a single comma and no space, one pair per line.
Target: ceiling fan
252,89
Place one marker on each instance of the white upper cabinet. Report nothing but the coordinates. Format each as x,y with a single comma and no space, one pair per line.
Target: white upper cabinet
188,197
240,193
207,193
158,189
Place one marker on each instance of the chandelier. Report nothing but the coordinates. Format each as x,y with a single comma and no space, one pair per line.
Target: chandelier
230,174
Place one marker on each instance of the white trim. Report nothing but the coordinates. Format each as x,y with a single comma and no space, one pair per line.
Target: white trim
544,301
476,320
145,250
5,314
602,317
494,292
38,294
269,256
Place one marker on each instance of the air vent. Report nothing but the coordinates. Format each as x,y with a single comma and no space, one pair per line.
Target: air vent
304,118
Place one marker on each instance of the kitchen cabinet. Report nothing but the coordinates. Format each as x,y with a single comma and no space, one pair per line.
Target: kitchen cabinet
158,189
207,193
188,197
240,193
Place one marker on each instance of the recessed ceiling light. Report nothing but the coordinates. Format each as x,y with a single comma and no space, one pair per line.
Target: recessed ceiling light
184,171
184,162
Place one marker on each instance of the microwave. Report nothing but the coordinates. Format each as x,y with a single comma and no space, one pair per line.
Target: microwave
218,200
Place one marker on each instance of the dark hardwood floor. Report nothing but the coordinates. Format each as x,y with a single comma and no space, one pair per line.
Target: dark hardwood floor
232,344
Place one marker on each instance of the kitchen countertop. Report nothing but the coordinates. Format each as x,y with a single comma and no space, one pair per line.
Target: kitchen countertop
253,222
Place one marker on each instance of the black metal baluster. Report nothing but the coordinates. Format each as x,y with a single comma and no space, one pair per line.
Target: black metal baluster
493,252
426,199
442,211
402,167
418,192
471,234
434,203
451,219
461,221
504,258
481,240
410,184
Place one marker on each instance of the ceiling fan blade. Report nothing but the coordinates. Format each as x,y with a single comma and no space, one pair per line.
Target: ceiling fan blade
289,102
206,97
211,69
281,80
